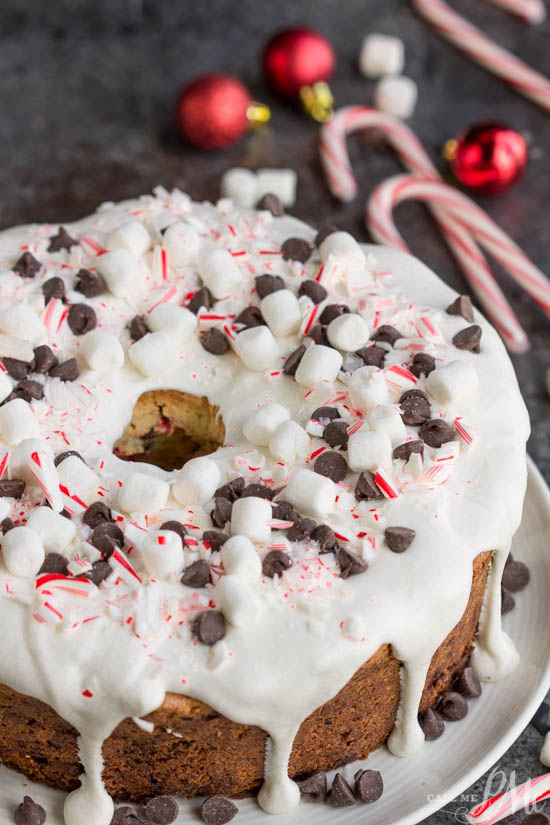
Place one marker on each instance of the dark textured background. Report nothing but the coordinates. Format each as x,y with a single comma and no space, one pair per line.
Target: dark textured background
86,97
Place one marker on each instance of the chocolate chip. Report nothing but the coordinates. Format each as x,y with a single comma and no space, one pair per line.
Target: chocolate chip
283,511
314,788
272,203
215,341
266,284
81,319
62,456
66,371
315,292
386,333
197,574
366,487
44,359
332,465
17,369
535,818
53,288
468,684
221,513
232,490
215,538
293,361
369,785
296,249
29,813
436,432
29,390
452,706
332,311
431,723
323,234
325,414
209,627
13,488
350,563
201,298
462,306
372,356
250,317
7,525
54,563
507,602
415,407
259,491
27,266
217,810
125,816
399,539
405,450
516,576
175,527
468,338
62,240
336,434
107,529
90,284
106,546
325,538
100,571
301,529
162,810
318,335
275,563
341,795
541,719
422,364
138,328
97,513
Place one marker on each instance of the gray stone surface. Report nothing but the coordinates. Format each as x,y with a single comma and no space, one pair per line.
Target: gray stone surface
87,90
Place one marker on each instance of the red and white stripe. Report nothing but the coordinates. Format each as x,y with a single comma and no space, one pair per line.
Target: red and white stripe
532,11
511,801
123,568
43,469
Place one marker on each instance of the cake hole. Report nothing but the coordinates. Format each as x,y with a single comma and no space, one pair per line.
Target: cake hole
168,428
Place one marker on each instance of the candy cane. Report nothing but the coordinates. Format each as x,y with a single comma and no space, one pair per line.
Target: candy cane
504,804
532,11
43,469
484,51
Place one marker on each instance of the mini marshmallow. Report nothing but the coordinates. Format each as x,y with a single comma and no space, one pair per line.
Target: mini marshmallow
22,322
261,425
131,236
396,95
289,442
102,350
368,388
181,242
15,348
55,531
257,348
250,517
196,481
310,493
240,558
348,332
178,322
121,272
163,554
220,273
22,551
452,382
386,419
369,449
5,386
78,478
17,421
5,508
341,244
319,363
279,182
240,185
281,312
154,353
236,600
143,493
381,54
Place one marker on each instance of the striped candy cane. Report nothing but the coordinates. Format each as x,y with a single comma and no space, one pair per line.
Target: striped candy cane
516,799
532,11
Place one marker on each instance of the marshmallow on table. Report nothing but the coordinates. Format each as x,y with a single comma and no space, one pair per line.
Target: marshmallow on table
55,531
342,245
143,493
319,363
17,422
236,600
22,551
452,382
381,54
121,272
257,348
279,182
178,322
21,321
386,419
131,236
289,442
367,450
240,558
102,351
240,185
262,424
154,353
396,96
348,332
181,243
196,482
310,492
163,554
220,273
368,388
250,517
6,386
78,478
281,312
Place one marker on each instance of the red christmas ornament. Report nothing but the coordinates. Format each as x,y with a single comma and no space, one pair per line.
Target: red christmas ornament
488,157
212,111
295,58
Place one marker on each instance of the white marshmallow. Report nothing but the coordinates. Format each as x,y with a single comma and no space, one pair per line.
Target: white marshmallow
319,363
55,531
17,421
143,493
15,348
396,95
250,517
281,311
178,322
368,449
131,236
196,481
381,54
154,353
121,272
102,350
163,554
6,386
240,558
289,442
240,185
21,321
257,348
220,273
22,551
368,388
280,182
310,493
237,601
181,242
348,332
78,478
386,419
452,382
342,245
261,425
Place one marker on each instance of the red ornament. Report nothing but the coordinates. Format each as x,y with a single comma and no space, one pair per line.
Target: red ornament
487,158
212,111
295,58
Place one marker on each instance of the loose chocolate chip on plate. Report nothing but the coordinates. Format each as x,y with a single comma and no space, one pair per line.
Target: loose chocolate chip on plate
232,490
399,539
468,338
7,525
507,601
331,464
293,361
541,719
323,234
272,203
436,432
468,684
62,240
81,319
415,408
296,249
27,266
275,563
332,311
100,571
197,574
452,706
215,341
283,511
138,328
366,487
217,810
341,795
325,538
314,788
323,414
250,317
422,364
54,563
29,813
215,538
315,292
66,371
44,359
431,723
162,810
29,390
350,563
516,576
125,816
266,284
259,491
318,335
462,306
369,785
175,527
405,450
62,456
97,513
372,356
386,333
53,288
209,627
221,513
13,488
301,529
336,434
201,298
90,284
17,369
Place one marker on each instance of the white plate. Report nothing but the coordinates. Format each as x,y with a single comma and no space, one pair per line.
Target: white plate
416,787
